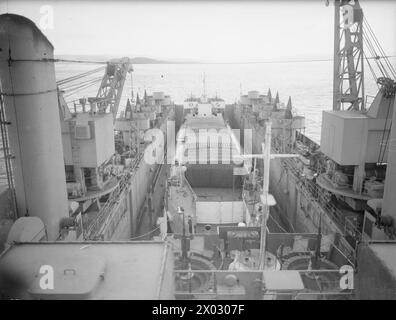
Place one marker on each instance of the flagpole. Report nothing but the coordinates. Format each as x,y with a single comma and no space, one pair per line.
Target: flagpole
266,147
266,199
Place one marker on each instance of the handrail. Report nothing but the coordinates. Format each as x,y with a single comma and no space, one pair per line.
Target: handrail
310,189
326,286
195,197
99,220
316,194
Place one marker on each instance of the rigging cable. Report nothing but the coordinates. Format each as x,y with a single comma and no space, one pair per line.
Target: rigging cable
392,70
371,70
373,44
57,60
375,56
145,234
79,84
78,76
81,87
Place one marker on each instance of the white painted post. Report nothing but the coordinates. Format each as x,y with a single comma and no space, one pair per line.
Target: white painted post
266,147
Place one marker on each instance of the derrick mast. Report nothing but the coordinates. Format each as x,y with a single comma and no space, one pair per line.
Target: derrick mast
356,140
110,90
348,86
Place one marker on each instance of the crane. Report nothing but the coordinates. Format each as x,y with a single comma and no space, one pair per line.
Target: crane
110,90
348,69
353,36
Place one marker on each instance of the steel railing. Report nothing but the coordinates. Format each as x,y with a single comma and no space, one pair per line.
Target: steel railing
316,283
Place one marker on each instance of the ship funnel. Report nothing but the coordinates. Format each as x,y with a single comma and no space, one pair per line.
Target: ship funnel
28,85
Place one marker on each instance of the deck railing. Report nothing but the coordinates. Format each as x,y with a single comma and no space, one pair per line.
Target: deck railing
94,228
317,284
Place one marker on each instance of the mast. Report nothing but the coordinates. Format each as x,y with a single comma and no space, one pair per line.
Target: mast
266,198
348,71
266,162
336,57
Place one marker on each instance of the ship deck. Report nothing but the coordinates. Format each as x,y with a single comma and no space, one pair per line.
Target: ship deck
132,270
218,194
204,123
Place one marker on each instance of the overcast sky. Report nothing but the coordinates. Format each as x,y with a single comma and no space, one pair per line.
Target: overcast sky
198,30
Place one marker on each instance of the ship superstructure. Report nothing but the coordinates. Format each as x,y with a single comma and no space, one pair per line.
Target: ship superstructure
260,212
112,194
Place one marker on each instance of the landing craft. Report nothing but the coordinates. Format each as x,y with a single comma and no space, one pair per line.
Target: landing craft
284,223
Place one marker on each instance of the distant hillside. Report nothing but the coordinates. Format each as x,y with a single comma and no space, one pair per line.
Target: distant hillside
135,60
144,60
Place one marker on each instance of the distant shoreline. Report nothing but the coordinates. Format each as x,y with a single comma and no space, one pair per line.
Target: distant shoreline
145,60
135,60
